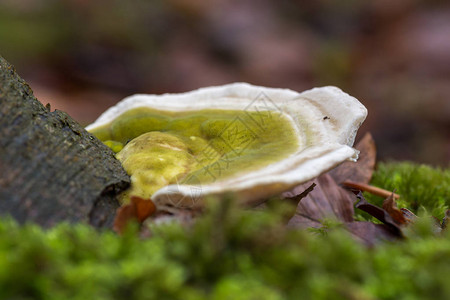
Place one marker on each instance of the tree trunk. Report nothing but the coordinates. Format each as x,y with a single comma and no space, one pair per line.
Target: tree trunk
51,169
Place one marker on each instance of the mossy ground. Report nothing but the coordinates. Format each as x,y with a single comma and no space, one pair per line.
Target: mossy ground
232,254
424,190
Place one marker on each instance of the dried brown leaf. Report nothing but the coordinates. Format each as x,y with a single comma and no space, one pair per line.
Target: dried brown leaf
295,195
138,210
327,200
370,233
362,170
330,200
409,215
380,214
391,208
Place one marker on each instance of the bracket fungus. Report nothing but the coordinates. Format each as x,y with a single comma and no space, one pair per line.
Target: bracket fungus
253,141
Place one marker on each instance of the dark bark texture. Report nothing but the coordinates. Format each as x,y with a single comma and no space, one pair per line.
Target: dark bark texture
51,169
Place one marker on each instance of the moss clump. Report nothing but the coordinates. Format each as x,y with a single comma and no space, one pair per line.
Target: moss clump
227,254
422,189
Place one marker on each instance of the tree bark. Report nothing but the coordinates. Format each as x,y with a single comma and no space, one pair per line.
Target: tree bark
51,169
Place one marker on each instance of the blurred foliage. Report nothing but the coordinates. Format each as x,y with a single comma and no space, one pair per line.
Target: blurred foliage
229,253
31,34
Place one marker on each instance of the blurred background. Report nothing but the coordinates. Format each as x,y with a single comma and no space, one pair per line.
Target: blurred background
83,56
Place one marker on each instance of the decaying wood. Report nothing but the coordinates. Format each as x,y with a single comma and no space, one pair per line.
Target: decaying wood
51,169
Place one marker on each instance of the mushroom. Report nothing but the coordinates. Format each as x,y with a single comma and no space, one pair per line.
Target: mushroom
253,141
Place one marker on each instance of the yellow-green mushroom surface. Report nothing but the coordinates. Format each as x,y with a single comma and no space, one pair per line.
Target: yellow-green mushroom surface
253,141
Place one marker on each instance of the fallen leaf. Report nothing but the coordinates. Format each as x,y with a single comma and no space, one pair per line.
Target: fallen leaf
370,233
391,208
360,171
409,215
378,213
295,196
144,208
327,200
138,210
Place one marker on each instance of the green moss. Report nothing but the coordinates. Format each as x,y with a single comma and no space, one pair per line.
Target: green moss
422,189
207,145
229,253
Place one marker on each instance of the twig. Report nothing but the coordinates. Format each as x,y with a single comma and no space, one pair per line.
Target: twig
369,188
